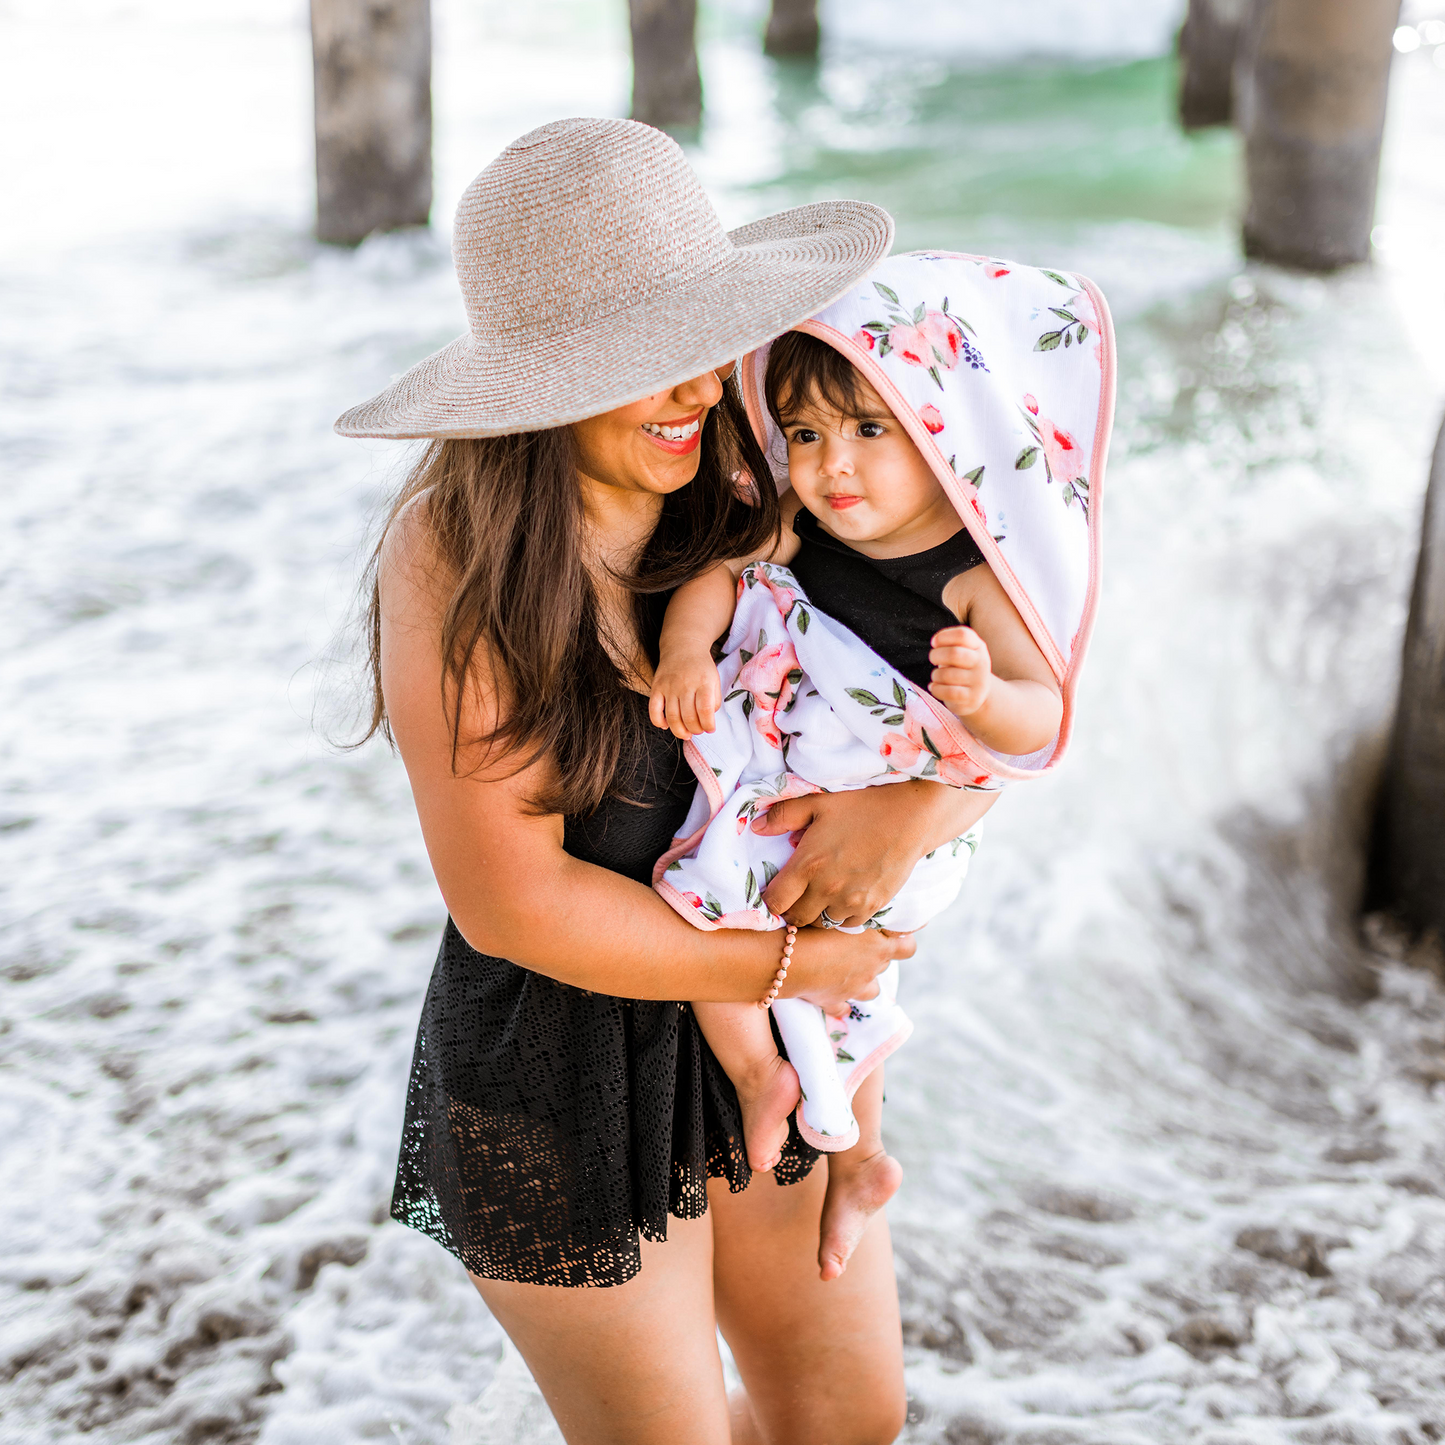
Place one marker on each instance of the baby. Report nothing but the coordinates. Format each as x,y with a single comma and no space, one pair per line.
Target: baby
878,546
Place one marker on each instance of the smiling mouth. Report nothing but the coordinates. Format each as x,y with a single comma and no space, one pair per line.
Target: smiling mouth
841,504
672,433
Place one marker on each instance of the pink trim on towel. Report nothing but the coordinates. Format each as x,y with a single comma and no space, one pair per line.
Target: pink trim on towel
963,494
745,918
837,1143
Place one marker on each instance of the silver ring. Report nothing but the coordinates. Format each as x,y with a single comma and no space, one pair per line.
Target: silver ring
829,920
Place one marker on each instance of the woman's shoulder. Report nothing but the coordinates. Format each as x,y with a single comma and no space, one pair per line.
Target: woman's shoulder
411,572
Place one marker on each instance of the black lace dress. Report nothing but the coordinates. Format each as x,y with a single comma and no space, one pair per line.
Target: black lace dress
548,1127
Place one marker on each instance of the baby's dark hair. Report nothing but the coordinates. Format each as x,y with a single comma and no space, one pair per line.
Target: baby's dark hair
803,369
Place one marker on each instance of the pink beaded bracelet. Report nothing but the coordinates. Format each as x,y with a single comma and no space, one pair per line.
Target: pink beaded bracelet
767,1000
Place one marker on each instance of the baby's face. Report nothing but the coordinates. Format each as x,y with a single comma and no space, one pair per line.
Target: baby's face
863,478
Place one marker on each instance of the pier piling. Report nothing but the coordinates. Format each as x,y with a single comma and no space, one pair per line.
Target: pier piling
1207,46
1408,866
1309,97
666,83
372,64
792,28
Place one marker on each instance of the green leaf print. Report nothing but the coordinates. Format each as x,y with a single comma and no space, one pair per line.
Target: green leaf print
770,871
1049,341
975,476
750,889
899,696
1026,459
844,1057
748,705
886,292
929,743
675,867
863,696
1062,280
745,654
894,720
804,618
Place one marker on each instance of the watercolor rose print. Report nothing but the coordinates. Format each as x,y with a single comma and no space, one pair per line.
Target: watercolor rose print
932,338
1064,460
1074,327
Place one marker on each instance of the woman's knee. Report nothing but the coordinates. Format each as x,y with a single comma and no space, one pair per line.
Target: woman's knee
878,1420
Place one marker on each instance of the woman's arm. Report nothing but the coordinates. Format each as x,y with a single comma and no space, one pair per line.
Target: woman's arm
857,849
508,884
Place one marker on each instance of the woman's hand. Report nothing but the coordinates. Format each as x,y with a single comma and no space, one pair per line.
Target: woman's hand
829,967
856,850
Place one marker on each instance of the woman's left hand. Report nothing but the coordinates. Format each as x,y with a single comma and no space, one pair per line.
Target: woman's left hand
856,850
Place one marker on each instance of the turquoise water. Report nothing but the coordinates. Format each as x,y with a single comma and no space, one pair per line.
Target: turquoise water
953,150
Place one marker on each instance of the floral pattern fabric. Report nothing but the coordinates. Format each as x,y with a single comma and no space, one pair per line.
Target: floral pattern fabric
808,707
1004,377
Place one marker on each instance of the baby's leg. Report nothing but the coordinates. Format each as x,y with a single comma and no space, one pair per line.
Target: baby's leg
741,1037
861,1180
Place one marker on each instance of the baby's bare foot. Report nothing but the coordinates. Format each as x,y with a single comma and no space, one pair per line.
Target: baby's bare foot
767,1095
856,1192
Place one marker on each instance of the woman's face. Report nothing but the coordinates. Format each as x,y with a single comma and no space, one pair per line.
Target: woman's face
651,445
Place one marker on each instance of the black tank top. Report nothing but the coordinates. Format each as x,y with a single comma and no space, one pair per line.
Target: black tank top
895,604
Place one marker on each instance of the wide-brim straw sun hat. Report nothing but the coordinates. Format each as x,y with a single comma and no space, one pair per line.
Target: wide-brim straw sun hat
595,272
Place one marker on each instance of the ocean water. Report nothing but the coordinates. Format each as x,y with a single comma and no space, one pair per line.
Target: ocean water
1172,1124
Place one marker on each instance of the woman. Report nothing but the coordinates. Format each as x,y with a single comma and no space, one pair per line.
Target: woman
566,1125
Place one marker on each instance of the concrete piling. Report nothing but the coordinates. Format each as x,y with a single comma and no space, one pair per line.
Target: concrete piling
792,28
666,83
372,64
1208,43
1310,84
1408,863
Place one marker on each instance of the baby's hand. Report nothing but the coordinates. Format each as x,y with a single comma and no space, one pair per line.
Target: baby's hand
962,670
686,694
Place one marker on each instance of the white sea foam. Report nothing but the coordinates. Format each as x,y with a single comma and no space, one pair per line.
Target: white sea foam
1170,1176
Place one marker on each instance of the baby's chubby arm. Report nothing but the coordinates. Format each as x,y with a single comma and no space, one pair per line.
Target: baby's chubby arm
686,692
989,672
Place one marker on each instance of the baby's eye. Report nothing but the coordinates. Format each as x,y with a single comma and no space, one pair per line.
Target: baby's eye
803,436
870,428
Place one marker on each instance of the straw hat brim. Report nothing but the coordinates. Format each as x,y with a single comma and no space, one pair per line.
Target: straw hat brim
783,269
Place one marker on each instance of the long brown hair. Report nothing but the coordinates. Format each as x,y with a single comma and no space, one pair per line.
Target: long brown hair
504,515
